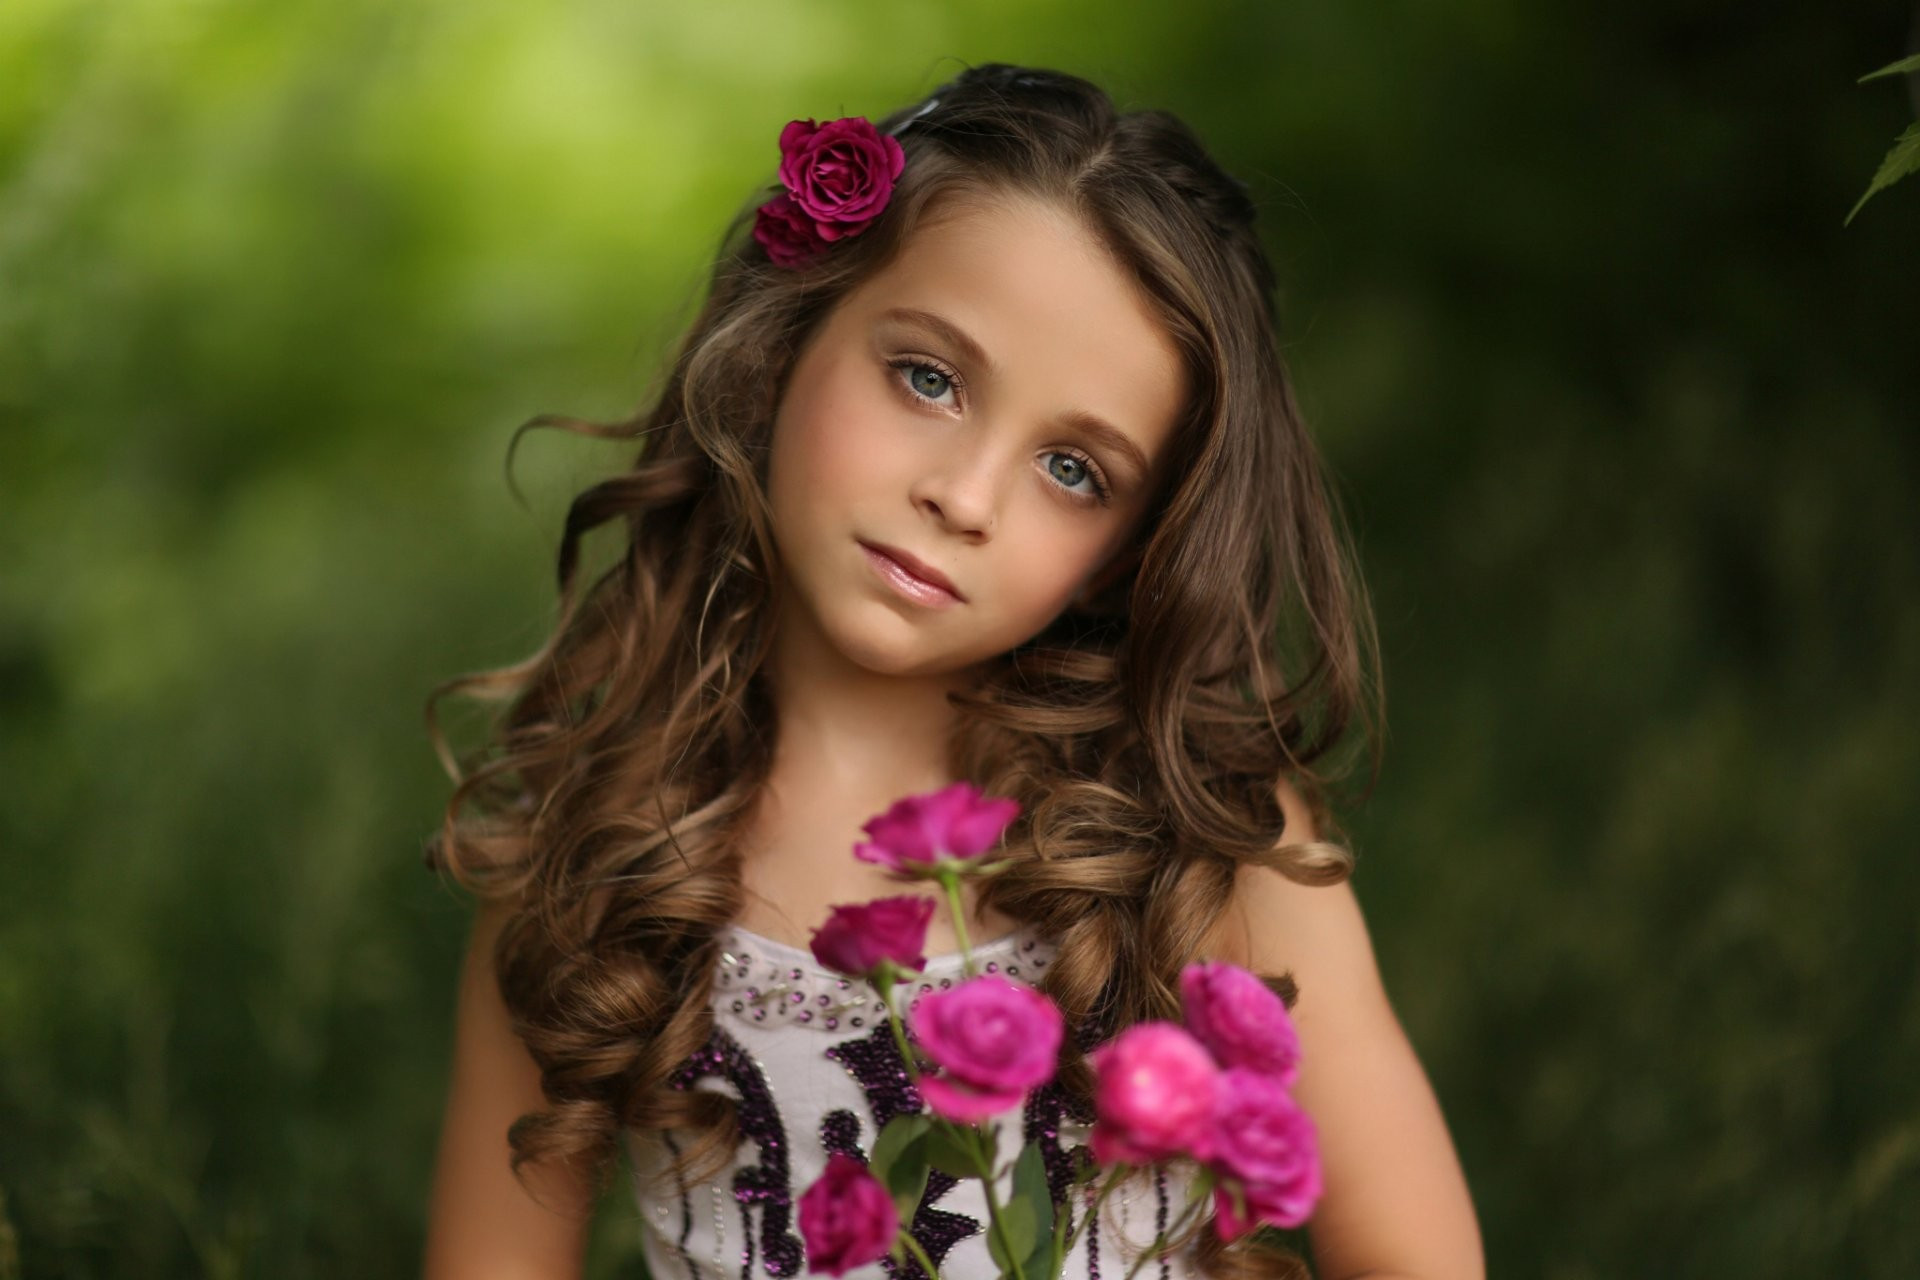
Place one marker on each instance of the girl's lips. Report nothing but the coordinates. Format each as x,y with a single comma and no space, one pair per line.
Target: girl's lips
917,567
907,583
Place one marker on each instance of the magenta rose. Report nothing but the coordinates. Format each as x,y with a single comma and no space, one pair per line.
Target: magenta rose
858,936
1240,1019
1266,1144
1273,1206
847,1219
786,233
953,822
993,1039
838,178
840,173
1153,1095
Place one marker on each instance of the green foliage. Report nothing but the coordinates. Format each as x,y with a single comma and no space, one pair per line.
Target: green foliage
1016,1237
951,1153
1904,157
899,1161
1624,424
1030,1189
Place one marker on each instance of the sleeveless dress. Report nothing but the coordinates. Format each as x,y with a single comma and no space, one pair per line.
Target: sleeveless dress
812,1059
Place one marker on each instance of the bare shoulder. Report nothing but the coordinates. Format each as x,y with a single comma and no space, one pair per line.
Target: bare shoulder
1272,920
483,1221
1395,1199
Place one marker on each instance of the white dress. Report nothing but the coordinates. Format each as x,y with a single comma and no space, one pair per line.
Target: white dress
813,1061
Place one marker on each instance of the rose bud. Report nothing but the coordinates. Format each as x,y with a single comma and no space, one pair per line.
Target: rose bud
847,1219
858,936
1240,1019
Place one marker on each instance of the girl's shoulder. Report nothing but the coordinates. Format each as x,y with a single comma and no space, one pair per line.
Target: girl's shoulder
1249,933
1394,1180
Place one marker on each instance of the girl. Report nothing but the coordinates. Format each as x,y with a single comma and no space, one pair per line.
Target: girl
979,464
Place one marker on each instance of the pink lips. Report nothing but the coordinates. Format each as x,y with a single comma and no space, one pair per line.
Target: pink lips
913,578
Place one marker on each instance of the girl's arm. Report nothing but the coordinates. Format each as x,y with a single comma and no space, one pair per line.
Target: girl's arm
1395,1201
483,1225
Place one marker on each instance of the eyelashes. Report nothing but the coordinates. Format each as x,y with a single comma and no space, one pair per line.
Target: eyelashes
907,366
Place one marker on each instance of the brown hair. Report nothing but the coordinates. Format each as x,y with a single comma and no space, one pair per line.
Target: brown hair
1143,735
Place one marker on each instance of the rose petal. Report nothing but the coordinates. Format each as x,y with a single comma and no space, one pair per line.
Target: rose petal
963,1105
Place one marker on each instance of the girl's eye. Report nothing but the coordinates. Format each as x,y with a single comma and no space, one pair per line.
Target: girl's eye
1081,467
930,382
915,372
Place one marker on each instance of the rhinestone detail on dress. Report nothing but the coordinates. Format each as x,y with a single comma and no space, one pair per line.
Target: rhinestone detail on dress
759,980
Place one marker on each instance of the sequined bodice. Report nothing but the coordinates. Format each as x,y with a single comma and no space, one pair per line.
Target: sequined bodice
811,1058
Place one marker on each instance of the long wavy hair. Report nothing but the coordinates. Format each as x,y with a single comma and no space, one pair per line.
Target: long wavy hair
1143,734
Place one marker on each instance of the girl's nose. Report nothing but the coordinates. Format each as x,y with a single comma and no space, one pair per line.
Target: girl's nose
965,488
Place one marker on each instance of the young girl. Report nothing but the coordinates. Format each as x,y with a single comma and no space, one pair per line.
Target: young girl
979,464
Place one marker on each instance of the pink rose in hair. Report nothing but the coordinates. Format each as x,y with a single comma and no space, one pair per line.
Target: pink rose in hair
786,233
858,936
838,178
953,822
1266,1144
1240,1019
847,1219
993,1039
1153,1096
840,173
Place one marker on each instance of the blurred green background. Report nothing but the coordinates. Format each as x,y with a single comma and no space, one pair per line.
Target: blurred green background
1624,419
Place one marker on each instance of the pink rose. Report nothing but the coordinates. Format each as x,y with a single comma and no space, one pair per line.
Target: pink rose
847,1219
840,173
1240,1019
786,233
858,936
953,822
1153,1095
839,177
1279,1207
1267,1144
993,1038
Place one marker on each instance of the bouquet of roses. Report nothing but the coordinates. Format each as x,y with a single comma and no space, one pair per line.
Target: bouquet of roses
1216,1090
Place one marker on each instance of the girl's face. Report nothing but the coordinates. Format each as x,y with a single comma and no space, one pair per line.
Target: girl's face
951,408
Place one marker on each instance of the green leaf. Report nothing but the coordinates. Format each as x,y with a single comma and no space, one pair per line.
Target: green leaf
900,1133
907,1182
1899,68
1016,1222
1030,1187
1902,160
945,1153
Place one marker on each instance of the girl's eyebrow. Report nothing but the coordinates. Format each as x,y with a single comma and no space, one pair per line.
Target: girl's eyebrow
1089,424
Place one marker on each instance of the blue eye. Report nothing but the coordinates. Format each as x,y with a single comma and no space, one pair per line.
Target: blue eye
912,370
1087,471
913,374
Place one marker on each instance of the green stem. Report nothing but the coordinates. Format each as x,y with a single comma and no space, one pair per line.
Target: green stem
926,1263
899,1031
1160,1240
951,883
993,1203
1093,1211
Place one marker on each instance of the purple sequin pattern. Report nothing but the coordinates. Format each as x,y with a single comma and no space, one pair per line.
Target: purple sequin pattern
1046,1107
767,1182
873,1060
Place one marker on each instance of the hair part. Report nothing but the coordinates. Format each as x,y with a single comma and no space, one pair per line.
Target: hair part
1143,735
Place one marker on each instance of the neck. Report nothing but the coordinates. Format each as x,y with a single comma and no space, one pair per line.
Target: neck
848,730
860,736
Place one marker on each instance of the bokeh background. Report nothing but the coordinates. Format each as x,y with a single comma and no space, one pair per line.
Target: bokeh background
1623,417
